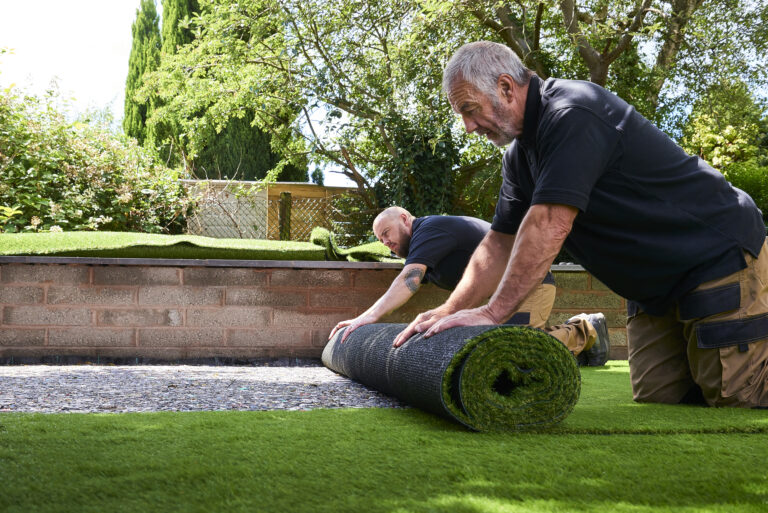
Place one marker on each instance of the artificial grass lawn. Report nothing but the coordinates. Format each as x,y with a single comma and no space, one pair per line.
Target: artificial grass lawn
144,245
681,459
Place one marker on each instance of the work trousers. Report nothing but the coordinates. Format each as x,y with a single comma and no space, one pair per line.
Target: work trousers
534,312
714,339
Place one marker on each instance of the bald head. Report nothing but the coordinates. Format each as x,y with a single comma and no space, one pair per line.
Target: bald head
393,228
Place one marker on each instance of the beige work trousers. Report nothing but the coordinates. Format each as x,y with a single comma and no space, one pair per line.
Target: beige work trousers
716,338
577,336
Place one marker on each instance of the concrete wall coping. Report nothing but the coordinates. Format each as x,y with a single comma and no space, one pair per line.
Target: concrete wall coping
179,262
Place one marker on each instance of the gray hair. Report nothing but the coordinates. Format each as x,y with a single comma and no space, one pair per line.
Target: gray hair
481,64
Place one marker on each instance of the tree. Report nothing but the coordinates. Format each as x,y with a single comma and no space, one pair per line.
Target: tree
176,24
633,47
144,57
356,84
233,150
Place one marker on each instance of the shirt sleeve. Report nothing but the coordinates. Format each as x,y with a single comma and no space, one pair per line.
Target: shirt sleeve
429,245
575,148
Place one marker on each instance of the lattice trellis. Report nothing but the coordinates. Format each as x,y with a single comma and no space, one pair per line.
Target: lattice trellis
234,210
229,212
306,213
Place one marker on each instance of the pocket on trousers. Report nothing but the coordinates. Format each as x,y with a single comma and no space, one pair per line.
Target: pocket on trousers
703,303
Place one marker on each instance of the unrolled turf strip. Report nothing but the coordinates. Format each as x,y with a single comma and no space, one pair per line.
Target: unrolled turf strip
489,378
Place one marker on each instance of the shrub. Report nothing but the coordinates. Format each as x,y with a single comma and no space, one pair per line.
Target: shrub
751,177
57,174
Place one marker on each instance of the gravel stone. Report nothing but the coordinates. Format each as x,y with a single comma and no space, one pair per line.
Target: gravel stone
147,388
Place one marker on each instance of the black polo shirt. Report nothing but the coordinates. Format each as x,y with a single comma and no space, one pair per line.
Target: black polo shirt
653,222
445,245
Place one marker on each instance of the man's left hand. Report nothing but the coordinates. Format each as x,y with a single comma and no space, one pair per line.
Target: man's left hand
473,317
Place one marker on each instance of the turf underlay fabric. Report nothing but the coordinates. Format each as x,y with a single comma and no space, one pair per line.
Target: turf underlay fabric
143,245
489,378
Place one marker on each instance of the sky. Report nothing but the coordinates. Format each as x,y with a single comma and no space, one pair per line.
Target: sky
82,45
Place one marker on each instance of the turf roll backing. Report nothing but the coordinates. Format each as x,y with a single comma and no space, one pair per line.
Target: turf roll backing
489,378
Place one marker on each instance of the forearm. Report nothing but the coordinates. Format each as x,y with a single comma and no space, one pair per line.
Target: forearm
483,273
539,239
400,291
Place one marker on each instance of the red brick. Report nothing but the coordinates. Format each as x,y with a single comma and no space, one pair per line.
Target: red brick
570,280
140,317
229,317
91,295
268,338
170,337
91,337
587,301
400,316
217,277
375,278
180,296
22,337
42,316
344,298
136,275
10,294
260,296
45,273
310,318
428,297
310,278
320,338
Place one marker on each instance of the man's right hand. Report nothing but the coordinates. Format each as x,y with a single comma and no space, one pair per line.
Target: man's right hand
352,325
421,323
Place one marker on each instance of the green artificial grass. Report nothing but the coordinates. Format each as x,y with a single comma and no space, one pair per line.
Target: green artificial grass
489,378
371,252
495,385
678,459
142,245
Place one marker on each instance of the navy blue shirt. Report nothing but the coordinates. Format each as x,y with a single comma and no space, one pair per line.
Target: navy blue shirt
445,245
653,222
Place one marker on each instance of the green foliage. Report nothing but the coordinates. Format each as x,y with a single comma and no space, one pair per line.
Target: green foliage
62,175
176,29
242,152
751,176
729,129
144,57
355,86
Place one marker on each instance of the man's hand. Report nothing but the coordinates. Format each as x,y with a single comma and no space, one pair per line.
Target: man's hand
352,325
474,317
420,324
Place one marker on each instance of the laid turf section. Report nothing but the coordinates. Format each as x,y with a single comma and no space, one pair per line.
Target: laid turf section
143,245
380,460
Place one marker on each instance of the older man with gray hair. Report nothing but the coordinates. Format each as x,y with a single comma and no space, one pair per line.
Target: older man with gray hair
659,227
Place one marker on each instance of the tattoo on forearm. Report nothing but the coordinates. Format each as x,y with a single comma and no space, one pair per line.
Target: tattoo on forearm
413,279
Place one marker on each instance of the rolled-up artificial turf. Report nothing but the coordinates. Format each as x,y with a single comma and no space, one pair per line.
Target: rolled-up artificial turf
489,378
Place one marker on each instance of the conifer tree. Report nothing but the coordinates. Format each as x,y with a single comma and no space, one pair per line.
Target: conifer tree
145,57
175,31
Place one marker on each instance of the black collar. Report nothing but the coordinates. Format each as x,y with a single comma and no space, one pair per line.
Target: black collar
531,115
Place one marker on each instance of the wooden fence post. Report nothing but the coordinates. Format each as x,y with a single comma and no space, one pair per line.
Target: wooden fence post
284,219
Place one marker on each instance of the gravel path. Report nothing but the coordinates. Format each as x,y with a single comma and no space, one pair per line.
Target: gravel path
86,389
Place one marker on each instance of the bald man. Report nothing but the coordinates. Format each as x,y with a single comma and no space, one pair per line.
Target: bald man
437,249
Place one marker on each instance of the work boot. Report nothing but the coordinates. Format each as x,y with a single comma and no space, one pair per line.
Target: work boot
598,354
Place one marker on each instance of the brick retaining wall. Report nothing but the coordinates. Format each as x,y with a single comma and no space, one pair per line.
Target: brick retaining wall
185,312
